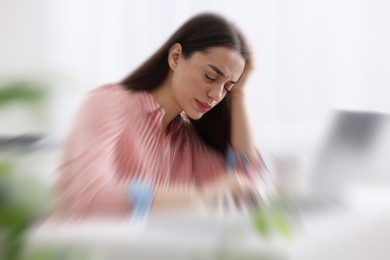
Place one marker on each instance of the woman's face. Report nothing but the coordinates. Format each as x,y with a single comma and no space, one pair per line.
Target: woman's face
202,81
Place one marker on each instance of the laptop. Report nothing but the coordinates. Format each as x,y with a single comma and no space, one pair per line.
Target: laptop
350,153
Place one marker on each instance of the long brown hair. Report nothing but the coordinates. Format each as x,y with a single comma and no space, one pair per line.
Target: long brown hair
197,34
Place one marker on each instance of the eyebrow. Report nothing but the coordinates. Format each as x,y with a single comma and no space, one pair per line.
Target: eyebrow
220,72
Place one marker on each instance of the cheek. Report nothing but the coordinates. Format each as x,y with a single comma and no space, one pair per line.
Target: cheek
177,82
188,83
191,84
198,83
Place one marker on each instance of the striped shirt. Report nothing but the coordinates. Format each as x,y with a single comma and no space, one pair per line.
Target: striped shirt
117,136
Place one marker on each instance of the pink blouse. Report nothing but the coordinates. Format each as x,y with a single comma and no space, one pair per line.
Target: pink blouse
118,136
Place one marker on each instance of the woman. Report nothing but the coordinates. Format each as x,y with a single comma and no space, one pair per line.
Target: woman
168,134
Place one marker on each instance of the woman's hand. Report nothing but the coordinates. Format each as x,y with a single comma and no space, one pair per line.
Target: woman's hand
230,189
249,66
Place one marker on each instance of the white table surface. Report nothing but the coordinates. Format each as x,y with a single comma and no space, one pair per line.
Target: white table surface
359,231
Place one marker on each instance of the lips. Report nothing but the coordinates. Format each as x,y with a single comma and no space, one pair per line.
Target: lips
203,106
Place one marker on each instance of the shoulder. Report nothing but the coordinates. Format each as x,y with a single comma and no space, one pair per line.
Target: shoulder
106,103
113,96
108,91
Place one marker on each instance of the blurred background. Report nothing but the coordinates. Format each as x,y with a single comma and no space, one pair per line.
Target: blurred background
322,71
311,57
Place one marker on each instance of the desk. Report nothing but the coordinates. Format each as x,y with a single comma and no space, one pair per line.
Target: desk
360,231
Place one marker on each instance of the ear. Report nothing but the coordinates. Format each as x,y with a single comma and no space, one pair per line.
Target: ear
174,55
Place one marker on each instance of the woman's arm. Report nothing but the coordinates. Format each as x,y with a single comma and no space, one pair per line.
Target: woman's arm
241,136
242,140
89,183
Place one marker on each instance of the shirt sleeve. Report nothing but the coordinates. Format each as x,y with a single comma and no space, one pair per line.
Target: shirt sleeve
88,183
253,167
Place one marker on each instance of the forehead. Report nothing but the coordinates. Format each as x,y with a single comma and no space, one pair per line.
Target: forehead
228,60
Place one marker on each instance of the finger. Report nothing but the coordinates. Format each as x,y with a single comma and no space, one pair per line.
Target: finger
239,202
253,199
232,202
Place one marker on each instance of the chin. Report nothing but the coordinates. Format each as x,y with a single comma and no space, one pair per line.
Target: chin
195,116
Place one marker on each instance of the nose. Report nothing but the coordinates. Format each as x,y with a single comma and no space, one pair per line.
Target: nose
216,93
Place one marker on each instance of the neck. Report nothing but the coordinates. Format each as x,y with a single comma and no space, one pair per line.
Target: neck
163,96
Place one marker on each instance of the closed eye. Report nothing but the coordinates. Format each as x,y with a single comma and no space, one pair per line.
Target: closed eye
210,78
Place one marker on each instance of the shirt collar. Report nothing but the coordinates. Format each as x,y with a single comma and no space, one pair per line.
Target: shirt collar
148,102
